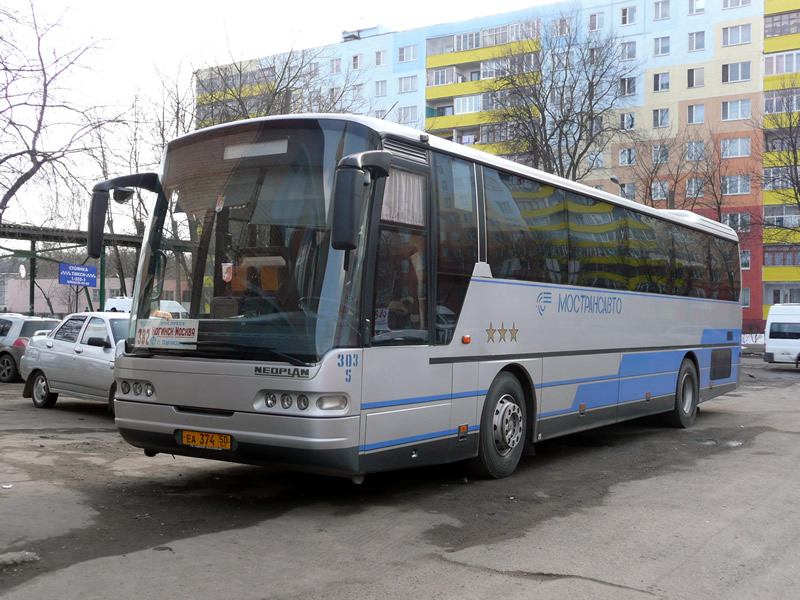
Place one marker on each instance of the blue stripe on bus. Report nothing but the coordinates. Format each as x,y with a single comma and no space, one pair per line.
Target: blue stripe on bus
413,438
422,399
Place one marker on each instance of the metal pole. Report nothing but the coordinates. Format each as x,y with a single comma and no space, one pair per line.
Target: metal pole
32,285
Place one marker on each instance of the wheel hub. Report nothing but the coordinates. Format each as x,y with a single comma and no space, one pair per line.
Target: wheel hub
507,425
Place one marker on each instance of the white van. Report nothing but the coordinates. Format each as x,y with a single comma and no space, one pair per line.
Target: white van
124,303
782,337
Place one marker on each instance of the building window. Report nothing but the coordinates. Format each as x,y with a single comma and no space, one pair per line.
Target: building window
407,115
407,53
661,46
627,86
627,190
468,41
336,65
735,147
782,24
734,110
596,21
660,154
380,114
737,221
628,50
697,114
660,117
627,157
695,150
744,257
335,94
628,15
783,215
561,27
694,187
697,7
786,62
732,36
468,104
357,62
745,291
661,10
696,77
733,185
697,41
735,3
380,58
595,160
380,88
661,82
734,72
660,190
407,84
627,121
781,101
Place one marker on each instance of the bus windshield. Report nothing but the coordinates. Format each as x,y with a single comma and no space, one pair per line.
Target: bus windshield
241,238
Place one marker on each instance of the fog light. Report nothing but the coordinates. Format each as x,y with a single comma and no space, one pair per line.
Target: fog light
137,388
149,390
286,401
332,402
302,402
271,400
125,387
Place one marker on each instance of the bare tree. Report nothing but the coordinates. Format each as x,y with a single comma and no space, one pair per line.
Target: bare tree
558,93
42,131
780,154
296,81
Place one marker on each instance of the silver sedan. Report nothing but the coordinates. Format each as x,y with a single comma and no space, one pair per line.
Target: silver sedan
75,359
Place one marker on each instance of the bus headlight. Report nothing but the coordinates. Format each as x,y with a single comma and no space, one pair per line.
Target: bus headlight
149,390
332,402
137,388
286,401
271,400
302,402
125,387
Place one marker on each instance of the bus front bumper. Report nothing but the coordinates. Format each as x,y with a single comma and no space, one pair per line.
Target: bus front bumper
318,445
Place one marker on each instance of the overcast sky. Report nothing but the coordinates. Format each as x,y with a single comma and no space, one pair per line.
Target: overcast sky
144,35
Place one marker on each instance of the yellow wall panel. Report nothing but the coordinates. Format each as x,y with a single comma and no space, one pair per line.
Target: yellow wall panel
479,54
781,43
467,120
465,88
778,6
772,274
781,236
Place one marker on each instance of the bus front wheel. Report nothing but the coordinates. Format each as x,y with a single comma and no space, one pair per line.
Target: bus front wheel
687,397
503,428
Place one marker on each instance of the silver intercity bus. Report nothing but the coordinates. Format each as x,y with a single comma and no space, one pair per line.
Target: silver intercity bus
362,297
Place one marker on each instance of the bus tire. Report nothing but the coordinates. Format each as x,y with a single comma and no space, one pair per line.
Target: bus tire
503,428
687,397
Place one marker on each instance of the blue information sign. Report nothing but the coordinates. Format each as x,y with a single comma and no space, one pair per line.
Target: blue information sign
77,275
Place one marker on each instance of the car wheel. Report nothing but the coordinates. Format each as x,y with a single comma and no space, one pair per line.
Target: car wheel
8,369
111,393
503,428
41,394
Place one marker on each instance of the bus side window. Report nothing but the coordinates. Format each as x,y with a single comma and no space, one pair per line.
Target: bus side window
457,243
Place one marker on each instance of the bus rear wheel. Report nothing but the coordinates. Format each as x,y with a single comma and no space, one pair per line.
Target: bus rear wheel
687,397
503,428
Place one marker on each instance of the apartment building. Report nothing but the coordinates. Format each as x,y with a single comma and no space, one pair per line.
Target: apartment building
695,99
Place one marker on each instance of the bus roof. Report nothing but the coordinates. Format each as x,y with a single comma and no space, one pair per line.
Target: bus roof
423,139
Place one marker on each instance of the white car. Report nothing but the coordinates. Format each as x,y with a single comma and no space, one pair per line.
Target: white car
75,359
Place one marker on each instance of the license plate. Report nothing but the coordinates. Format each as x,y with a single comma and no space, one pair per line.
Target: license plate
204,439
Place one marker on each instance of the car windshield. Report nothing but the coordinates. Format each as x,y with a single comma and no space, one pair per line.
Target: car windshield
241,238
119,329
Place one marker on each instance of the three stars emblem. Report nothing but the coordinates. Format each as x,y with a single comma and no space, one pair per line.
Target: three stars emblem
501,332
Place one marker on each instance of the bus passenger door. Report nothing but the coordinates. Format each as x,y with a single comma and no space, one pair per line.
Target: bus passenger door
405,399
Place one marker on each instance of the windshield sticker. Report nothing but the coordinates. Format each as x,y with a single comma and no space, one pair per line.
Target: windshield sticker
161,333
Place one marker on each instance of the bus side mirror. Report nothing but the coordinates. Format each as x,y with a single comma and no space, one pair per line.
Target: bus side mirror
348,196
97,222
353,176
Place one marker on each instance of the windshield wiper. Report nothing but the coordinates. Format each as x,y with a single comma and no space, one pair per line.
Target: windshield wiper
246,348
